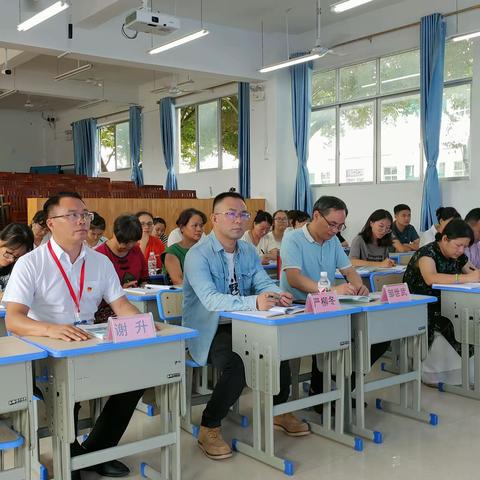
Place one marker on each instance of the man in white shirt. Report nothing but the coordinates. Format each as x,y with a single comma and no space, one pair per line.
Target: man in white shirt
60,285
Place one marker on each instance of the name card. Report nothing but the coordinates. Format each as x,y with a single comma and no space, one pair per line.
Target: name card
321,302
397,292
127,329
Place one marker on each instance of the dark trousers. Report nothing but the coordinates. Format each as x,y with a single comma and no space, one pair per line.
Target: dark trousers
316,384
232,379
112,422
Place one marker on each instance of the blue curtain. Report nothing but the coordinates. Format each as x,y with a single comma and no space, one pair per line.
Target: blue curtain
244,138
85,147
432,55
167,130
301,82
135,134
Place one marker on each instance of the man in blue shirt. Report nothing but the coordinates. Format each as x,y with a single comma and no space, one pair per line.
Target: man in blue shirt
222,273
405,237
313,249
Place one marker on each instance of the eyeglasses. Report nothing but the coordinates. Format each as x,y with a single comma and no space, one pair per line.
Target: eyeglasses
283,220
75,217
384,228
232,216
146,224
10,256
333,226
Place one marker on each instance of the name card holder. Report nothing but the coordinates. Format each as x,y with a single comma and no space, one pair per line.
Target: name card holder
396,292
127,329
321,302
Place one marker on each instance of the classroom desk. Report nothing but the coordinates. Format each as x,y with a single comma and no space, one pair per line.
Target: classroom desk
148,303
92,369
401,258
263,343
366,275
381,322
462,308
16,394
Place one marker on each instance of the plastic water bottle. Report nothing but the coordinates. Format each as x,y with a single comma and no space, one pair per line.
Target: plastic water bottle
324,283
152,264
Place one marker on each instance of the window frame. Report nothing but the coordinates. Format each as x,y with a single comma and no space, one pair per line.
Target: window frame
218,101
106,125
376,99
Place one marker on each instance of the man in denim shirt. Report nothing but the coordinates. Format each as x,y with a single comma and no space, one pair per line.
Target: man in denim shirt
224,274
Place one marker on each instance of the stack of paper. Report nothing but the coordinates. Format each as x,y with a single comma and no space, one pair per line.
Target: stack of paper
461,286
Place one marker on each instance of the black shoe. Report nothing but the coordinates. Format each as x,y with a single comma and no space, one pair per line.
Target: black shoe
76,449
76,475
114,468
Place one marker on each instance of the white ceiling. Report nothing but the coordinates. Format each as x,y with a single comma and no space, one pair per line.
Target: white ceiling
247,14
39,102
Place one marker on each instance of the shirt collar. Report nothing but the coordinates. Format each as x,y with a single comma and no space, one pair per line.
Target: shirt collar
308,235
217,246
60,252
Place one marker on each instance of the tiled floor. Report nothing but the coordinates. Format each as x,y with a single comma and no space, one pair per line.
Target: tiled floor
411,450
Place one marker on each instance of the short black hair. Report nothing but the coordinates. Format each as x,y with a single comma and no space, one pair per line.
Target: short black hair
473,216
300,217
16,235
55,200
187,214
222,196
159,220
127,228
143,212
400,208
326,203
446,213
263,216
98,222
367,234
39,218
456,228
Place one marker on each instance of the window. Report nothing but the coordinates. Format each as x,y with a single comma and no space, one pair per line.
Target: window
390,174
114,147
400,143
209,135
321,156
455,132
356,142
365,121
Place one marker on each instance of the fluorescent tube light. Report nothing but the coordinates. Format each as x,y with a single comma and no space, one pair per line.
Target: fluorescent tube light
345,5
179,41
7,93
466,36
72,73
289,63
45,14
92,103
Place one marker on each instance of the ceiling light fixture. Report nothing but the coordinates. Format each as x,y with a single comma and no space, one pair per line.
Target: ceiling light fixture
92,103
466,36
7,93
289,63
345,5
182,40
179,41
72,73
45,14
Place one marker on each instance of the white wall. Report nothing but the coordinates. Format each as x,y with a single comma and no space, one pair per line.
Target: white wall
24,137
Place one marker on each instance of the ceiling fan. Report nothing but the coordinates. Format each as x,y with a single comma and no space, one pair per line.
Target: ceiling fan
175,87
92,81
34,107
319,49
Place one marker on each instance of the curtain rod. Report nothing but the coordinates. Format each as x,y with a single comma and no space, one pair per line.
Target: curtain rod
111,114
403,27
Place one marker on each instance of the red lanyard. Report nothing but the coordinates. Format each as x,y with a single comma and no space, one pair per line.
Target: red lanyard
76,300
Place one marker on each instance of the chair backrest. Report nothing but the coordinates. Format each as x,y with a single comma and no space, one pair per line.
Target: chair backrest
379,279
170,306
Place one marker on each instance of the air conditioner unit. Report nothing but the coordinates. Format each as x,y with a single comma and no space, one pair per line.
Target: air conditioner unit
147,21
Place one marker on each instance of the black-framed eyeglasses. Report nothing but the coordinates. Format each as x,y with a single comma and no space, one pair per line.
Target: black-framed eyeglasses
232,216
332,225
75,216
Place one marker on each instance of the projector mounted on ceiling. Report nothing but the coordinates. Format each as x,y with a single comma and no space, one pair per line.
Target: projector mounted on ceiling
147,21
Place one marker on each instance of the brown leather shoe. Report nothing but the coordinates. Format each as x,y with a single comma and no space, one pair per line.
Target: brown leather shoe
291,425
212,443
